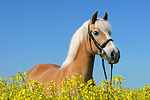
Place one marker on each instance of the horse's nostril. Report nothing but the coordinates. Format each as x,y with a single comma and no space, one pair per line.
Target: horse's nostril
113,55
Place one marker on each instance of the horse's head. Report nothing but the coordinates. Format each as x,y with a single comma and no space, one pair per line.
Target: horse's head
100,41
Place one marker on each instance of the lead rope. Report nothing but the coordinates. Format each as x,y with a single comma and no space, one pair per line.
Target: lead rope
105,71
111,74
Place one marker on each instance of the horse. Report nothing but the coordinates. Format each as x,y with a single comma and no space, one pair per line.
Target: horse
92,38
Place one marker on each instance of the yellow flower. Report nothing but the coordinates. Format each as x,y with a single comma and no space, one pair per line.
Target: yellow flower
2,81
73,88
6,78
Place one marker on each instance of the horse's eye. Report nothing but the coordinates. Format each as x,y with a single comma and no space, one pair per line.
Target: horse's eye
96,33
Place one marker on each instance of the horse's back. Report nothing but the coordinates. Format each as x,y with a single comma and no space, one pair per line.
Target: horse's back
43,72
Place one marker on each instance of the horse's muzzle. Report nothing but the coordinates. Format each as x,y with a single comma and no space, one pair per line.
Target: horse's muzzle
112,57
115,56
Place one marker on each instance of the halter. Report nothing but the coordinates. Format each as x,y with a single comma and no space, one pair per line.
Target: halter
100,48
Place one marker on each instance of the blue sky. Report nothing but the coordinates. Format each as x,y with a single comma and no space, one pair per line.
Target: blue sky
39,31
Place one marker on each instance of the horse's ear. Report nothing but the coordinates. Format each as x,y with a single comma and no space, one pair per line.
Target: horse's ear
105,16
94,17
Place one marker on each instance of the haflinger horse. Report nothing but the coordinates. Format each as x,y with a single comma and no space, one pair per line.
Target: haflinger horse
92,38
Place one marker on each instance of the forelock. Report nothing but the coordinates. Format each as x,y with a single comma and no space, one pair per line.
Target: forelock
103,25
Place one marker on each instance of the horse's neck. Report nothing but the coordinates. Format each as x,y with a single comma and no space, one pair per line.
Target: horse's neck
83,63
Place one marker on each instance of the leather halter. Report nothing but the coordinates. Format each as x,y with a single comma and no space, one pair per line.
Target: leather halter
100,47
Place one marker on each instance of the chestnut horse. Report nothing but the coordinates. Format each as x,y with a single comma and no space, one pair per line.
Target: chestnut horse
81,54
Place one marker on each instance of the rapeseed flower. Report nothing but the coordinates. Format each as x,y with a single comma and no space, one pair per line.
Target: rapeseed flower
72,89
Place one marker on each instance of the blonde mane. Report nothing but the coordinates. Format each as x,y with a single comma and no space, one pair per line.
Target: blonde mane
80,35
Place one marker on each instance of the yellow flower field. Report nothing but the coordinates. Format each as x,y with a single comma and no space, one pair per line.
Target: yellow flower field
72,89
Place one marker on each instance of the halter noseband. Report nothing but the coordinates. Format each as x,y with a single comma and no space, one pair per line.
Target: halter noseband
100,48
